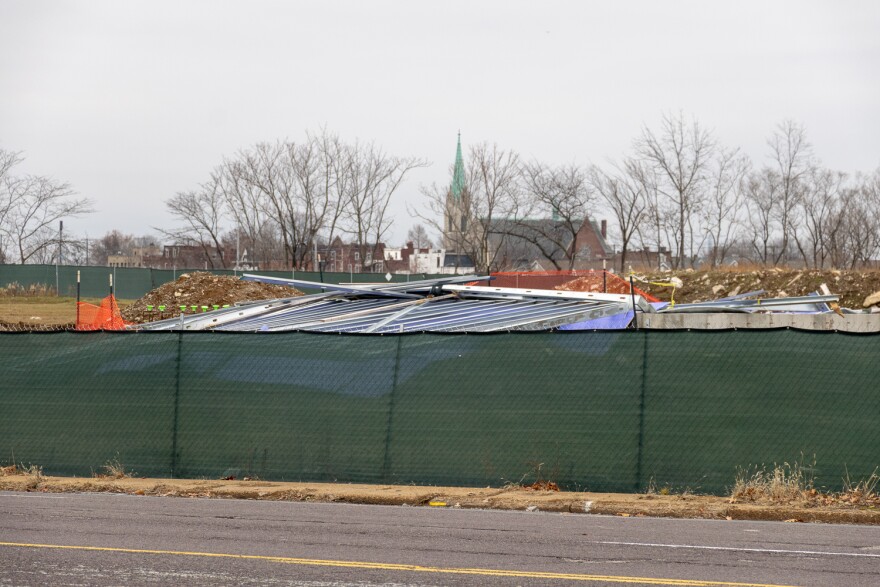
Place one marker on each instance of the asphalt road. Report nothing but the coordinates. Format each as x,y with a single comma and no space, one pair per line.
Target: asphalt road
107,539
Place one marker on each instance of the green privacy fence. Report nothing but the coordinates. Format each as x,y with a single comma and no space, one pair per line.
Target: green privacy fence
133,283
601,411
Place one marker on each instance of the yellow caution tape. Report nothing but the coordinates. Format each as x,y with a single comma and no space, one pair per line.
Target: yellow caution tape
659,284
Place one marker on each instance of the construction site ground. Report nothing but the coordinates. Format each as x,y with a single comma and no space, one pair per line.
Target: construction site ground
853,287
20,311
505,498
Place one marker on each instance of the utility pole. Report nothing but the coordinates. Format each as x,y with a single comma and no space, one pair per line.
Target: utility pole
237,249
58,256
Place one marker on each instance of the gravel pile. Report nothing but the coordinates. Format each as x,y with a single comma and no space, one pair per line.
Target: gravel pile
201,289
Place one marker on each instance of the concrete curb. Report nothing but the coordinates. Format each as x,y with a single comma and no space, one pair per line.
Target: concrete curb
507,498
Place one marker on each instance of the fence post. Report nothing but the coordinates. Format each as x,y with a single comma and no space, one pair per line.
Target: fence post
176,406
386,462
641,448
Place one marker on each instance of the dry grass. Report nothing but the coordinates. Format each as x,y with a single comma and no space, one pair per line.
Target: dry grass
783,484
863,492
114,469
539,484
33,473
10,470
794,484
15,289
43,310
652,490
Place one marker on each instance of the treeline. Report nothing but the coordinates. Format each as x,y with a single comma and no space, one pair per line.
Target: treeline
677,189
285,198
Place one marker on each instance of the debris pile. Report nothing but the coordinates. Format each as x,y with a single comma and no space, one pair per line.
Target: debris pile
852,287
434,305
459,304
201,289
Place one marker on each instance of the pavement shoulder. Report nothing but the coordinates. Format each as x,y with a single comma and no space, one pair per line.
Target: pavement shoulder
504,498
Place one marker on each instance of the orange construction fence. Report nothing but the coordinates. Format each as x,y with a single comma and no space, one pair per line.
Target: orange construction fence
103,317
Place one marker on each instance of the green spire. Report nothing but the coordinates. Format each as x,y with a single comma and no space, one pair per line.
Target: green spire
458,173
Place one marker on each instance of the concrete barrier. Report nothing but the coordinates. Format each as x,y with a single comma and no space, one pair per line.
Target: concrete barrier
719,321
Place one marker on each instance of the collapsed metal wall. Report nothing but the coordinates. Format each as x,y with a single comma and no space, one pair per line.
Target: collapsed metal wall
602,411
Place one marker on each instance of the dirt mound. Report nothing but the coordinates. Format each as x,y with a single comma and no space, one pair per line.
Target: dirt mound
595,283
697,286
201,289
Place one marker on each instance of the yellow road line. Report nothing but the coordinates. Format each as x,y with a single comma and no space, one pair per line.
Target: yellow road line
410,568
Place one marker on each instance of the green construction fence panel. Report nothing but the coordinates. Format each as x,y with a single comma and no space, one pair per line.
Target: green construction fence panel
598,411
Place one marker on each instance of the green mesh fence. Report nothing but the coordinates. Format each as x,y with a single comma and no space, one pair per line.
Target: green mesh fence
600,411
132,283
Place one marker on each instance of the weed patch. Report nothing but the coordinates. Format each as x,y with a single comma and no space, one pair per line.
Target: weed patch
114,469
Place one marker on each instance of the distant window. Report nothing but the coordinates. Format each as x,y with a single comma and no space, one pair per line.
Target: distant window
463,223
368,258
357,256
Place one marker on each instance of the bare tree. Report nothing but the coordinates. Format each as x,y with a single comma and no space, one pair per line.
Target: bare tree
658,218
681,153
201,213
858,241
791,156
625,191
325,203
372,177
112,243
248,207
33,206
8,185
418,236
267,168
555,203
761,193
8,159
820,202
724,202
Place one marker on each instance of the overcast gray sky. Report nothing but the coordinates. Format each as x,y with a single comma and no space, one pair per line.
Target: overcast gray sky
134,101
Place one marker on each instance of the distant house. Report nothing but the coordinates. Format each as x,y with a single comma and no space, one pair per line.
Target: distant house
139,257
185,257
546,244
645,259
341,257
125,261
427,260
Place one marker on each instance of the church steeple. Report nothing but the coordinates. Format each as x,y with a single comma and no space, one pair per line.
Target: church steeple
455,221
457,187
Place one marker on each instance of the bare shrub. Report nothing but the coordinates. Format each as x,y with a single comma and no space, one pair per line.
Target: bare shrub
863,492
114,469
